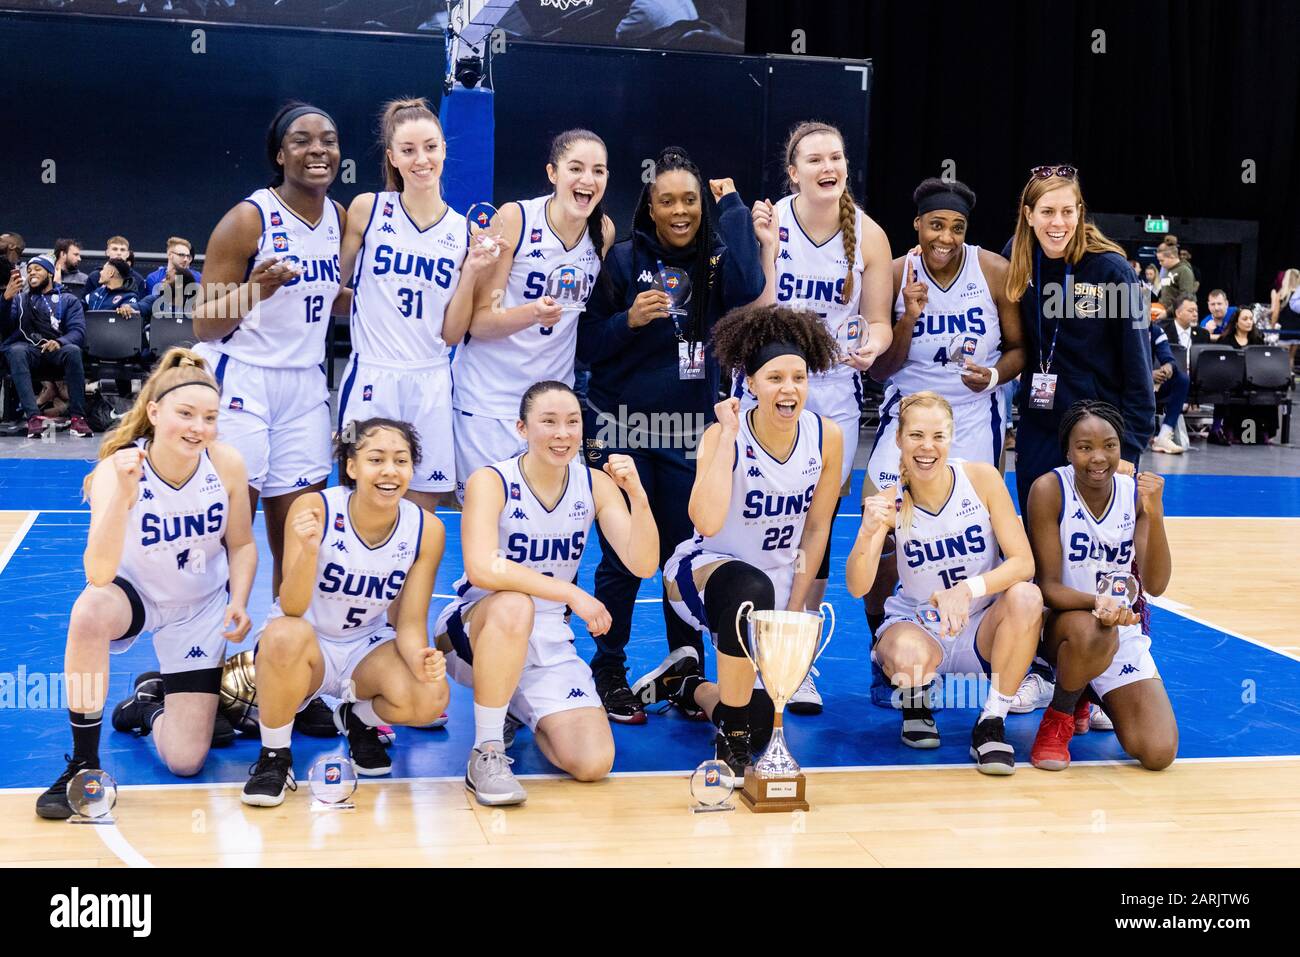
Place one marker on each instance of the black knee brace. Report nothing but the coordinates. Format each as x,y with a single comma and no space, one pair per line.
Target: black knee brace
729,587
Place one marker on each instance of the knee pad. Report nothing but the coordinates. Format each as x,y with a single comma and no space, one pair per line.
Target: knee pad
729,587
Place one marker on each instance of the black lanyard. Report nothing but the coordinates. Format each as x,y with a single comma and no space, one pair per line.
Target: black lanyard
1044,365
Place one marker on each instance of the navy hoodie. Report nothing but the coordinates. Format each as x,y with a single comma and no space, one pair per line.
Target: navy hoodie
638,367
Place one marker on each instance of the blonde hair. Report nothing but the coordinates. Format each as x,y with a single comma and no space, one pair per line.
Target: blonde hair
178,366
848,208
395,113
179,241
1087,238
1290,282
917,400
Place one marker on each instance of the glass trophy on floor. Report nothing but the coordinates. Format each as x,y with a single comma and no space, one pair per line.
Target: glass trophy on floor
333,781
92,795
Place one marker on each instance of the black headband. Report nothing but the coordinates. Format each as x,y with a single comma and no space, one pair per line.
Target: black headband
946,199
769,351
181,385
286,121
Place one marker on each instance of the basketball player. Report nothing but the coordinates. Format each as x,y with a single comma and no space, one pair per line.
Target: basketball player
170,552
412,294
526,524
350,551
766,484
965,604
830,257
1087,519
270,280
525,324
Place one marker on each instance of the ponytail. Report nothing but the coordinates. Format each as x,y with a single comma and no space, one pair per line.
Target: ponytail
848,231
394,114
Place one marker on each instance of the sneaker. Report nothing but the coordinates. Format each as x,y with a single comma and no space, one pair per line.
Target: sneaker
989,748
1034,692
438,722
316,720
734,751
268,778
1215,437
664,683
1163,443
148,690
387,736
368,755
806,700
1082,714
53,801
919,729
620,704
223,732
1100,720
1051,750
490,780
79,427
36,427
508,730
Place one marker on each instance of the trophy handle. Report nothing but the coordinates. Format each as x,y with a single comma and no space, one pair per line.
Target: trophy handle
743,612
826,608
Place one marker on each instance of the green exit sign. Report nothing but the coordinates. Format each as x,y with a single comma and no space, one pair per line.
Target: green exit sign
1157,225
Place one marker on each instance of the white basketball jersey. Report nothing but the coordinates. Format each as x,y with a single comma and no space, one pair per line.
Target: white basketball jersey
965,308
770,499
287,329
948,546
173,552
549,541
405,277
811,275
1089,545
355,583
490,376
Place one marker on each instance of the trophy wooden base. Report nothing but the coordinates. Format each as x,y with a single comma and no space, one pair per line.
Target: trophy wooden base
773,795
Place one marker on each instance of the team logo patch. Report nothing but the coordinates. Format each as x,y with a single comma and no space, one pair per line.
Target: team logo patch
672,281
388,209
333,773
568,279
749,452
237,403
514,491
783,233
92,787
483,219
338,521
210,478
535,236
367,393
276,219
280,242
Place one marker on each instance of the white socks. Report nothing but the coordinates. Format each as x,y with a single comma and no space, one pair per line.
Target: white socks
276,739
365,710
996,705
489,724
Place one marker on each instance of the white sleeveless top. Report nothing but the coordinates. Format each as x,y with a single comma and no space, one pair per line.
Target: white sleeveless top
173,553
405,277
967,308
489,376
1089,545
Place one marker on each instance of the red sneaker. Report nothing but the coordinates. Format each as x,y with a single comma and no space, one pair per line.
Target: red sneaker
79,427
1082,714
35,426
1051,750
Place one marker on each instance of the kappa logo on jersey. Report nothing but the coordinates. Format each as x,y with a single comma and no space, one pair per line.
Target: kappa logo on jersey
276,219
1128,670
535,236
338,543
388,209
196,652
536,254
645,276
783,233
754,472
387,228
376,638
437,476
519,514
338,522
514,491
367,393
1078,514
237,404
576,693
280,242
146,494
302,482
785,254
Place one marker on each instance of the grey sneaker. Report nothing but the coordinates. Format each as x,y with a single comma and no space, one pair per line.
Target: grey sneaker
806,700
490,778
512,725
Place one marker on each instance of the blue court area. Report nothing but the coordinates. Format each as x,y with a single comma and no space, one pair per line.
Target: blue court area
1232,698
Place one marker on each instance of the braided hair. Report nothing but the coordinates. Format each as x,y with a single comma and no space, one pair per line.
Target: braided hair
1080,410
741,332
848,208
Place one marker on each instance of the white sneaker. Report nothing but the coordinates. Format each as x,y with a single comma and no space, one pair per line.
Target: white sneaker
1165,443
806,700
1100,721
490,779
1034,692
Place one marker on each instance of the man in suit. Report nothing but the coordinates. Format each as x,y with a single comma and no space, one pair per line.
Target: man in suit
1182,328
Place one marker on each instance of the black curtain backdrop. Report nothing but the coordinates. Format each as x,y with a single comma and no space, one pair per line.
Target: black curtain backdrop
1161,122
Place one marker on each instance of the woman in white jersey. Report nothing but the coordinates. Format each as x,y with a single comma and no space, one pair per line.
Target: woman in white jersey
525,325
413,292
171,552
830,257
270,280
350,551
965,605
1086,519
526,523
766,483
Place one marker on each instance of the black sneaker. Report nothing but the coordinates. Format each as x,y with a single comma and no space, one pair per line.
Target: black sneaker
734,750
148,690
223,732
989,748
316,720
53,802
512,725
369,756
919,729
665,682
620,704
268,778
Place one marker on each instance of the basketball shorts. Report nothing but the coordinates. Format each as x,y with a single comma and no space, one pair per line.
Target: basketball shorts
689,557
481,440
1132,662
186,637
961,654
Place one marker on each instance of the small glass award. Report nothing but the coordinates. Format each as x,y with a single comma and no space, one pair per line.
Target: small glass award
92,795
1116,591
677,284
711,787
849,335
568,285
928,617
961,353
333,781
480,219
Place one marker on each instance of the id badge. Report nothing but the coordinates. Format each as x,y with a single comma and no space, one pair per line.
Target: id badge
690,366
1042,390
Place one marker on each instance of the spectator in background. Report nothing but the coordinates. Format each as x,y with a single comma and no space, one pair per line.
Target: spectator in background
1176,279
114,289
11,250
44,331
67,267
1182,328
1137,268
180,255
1284,308
119,247
1172,385
1239,335
1186,256
1221,314
1151,280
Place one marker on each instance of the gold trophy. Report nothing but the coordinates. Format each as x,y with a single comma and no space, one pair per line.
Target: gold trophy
238,696
785,647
